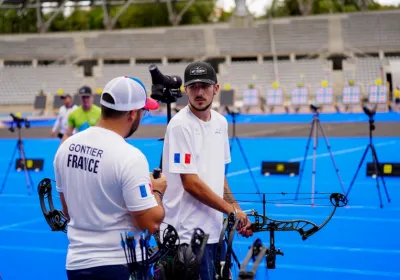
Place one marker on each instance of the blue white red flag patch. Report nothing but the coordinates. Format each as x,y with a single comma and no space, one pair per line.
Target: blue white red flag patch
145,190
186,158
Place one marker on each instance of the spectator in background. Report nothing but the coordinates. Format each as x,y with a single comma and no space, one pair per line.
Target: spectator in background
396,95
85,116
61,123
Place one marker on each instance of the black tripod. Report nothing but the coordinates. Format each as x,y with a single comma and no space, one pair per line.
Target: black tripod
165,95
20,147
315,125
234,138
377,165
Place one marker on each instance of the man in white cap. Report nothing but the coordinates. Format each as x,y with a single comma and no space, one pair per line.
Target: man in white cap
105,185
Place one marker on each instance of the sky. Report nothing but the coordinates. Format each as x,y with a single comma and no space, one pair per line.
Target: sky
257,7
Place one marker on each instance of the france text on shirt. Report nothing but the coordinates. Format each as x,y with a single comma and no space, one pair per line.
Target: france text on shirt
77,160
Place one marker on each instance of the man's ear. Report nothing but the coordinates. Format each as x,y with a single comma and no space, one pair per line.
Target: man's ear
216,89
132,114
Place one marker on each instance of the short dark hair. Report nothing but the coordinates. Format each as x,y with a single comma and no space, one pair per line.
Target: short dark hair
108,113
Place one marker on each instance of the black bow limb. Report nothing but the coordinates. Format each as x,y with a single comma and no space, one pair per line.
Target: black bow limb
56,219
223,272
256,253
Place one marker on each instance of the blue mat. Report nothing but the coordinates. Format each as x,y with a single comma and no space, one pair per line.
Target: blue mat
360,243
263,119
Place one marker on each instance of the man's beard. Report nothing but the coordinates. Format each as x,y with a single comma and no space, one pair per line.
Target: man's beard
201,109
134,127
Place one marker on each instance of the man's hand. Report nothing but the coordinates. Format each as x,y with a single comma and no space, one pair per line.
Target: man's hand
159,184
244,226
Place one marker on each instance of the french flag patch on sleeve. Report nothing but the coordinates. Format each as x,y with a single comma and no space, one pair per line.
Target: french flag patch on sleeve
186,158
145,190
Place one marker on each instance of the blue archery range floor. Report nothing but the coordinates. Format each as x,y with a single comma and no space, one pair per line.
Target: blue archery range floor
246,118
362,241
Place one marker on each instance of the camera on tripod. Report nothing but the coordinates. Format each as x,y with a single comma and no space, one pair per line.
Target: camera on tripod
166,89
18,122
22,162
368,111
314,108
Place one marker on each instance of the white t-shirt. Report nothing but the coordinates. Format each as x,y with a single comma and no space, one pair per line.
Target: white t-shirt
102,178
192,146
61,123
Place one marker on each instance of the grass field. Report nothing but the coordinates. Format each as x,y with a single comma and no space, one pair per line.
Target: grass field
360,242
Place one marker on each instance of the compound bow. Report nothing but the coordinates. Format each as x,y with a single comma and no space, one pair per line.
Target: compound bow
305,228
57,221
264,223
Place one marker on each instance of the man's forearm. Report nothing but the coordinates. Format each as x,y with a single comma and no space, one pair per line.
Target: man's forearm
228,196
159,200
200,191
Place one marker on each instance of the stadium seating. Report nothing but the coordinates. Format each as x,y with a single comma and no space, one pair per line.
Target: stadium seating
301,36
293,38
372,31
145,45
19,85
19,47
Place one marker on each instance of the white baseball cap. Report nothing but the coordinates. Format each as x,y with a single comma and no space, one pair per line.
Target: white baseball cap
128,93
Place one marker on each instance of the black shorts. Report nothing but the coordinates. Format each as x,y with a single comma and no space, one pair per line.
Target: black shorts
60,135
397,101
107,272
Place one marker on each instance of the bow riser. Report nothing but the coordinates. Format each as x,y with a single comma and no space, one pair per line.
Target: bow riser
303,227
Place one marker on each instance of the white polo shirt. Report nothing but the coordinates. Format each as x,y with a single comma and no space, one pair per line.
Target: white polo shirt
61,123
192,146
102,178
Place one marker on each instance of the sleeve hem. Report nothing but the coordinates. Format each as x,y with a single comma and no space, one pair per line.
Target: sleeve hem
183,171
149,204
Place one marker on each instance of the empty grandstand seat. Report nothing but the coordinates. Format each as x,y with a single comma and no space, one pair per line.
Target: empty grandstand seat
146,45
302,36
17,90
242,40
371,31
362,70
42,47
